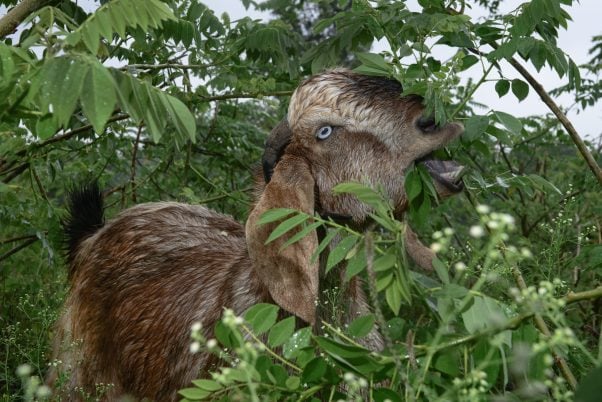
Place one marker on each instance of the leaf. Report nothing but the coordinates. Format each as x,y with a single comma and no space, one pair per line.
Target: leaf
46,126
588,389
356,264
502,87
261,317
510,122
117,16
207,385
520,89
363,193
475,126
70,90
275,214
468,61
484,313
324,243
339,349
98,96
297,341
179,115
340,251
301,234
385,262
412,184
293,382
362,326
194,394
441,270
386,394
393,298
374,62
314,370
285,226
281,332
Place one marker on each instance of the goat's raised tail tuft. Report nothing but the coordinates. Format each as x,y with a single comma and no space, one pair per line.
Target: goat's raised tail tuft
85,216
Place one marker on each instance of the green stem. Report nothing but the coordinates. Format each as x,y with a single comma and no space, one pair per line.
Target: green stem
471,92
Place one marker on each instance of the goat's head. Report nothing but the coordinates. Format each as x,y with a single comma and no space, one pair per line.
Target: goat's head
341,127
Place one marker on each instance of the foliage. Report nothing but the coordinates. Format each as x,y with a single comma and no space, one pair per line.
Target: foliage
166,100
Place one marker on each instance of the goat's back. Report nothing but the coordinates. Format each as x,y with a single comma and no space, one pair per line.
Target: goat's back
137,285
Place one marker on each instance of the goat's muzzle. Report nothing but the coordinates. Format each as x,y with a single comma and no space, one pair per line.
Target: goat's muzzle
447,173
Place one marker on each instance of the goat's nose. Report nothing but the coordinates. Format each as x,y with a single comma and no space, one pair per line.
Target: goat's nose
426,124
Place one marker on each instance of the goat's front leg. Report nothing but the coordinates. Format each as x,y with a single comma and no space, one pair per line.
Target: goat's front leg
421,254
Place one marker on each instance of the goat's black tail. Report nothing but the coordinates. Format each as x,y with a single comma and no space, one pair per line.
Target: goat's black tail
85,217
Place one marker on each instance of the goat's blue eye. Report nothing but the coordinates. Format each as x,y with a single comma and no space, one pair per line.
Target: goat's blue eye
324,132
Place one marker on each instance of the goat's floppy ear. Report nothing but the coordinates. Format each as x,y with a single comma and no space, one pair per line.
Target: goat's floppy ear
279,138
289,274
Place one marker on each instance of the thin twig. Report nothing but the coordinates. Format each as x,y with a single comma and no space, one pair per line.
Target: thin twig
18,248
14,239
133,165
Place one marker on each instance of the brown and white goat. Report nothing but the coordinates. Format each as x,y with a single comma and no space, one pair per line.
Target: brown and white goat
139,281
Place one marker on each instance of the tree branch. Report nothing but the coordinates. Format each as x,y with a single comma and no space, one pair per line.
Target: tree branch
589,159
17,249
244,96
17,14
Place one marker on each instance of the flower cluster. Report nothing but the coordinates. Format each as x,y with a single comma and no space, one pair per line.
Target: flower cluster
472,387
542,299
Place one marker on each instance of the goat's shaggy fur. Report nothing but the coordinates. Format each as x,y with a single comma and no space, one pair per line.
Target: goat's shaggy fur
142,279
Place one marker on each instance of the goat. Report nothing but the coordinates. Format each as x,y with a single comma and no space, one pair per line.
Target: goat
139,281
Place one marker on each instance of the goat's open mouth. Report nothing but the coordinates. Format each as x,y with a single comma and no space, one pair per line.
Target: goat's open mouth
446,172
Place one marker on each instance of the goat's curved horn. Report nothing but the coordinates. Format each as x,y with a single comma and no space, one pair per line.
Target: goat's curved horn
275,144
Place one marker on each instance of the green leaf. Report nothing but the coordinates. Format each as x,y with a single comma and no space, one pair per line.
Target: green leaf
363,193
275,214
386,394
314,370
281,332
393,298
386,261
301,234
510,122
468,61
285,226
46,126
374,62
520,89
293,382
324,243
98,96
297,341
207,385
179,116
340,251
502,87
475,126
588,389
441,270
362,326
413,184
484,313
261,317
194,394
70,90
356,264
339,349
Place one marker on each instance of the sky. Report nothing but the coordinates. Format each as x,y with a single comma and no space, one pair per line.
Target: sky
575,41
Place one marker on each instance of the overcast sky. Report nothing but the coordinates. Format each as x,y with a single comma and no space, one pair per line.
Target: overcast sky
575,41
